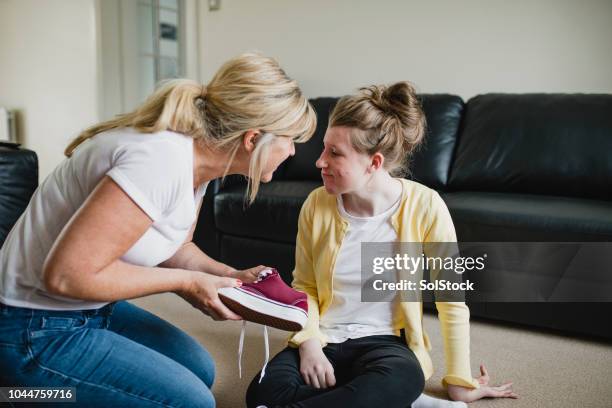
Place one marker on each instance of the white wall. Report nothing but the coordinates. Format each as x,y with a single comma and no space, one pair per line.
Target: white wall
120,77
48,72
463,47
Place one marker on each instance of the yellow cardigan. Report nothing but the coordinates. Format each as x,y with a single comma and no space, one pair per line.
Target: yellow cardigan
421,217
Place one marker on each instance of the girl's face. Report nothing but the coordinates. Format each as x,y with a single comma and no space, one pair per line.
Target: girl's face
280,149
343,169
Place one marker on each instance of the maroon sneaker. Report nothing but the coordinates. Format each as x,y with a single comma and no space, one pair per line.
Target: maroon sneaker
268,301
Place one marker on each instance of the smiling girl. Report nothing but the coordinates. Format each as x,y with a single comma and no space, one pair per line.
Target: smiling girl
352,353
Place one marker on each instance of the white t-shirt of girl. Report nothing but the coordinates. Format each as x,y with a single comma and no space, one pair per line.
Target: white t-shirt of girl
347,316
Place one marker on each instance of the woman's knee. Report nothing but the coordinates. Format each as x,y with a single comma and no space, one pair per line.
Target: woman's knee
201,364
194,357
203,399
170,396
207,372
153,332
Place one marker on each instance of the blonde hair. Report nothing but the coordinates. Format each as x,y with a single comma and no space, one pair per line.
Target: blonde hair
385,119
248,92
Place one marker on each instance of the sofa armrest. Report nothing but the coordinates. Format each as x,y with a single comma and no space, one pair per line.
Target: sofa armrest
18,181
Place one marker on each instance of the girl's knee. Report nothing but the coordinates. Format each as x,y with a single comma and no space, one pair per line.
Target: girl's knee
270,392
404,379
254,396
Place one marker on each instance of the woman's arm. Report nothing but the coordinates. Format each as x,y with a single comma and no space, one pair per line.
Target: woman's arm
189,256
192,258
84,260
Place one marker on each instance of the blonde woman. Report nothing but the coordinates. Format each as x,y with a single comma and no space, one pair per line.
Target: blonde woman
114,221
352,353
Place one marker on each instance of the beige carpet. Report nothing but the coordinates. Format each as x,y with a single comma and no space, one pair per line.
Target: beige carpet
548,370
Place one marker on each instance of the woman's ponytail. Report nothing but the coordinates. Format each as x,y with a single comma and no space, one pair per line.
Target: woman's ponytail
173,106
250,91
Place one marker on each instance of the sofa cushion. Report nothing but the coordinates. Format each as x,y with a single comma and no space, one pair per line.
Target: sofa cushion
272,216
491,217
430,164
18,180
301,166
556,144
255,252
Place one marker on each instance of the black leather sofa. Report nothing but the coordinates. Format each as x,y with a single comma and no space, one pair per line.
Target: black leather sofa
18,180
510,167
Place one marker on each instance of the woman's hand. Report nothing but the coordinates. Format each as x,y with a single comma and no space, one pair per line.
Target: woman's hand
201,292
459,393
315,368
248,275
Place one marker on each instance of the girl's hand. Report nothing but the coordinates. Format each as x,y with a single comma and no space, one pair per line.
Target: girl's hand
459,393
249,275
315,368
201,292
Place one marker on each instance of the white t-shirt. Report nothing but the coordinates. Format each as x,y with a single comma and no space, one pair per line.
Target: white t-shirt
154,170
347,316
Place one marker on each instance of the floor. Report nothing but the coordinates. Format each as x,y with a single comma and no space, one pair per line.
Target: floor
548,369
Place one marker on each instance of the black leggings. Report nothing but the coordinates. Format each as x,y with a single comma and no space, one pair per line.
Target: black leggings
373,371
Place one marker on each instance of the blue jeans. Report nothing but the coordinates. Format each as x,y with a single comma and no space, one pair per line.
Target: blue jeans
116,356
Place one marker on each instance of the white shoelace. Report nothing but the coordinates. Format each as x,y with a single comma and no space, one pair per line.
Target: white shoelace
241,347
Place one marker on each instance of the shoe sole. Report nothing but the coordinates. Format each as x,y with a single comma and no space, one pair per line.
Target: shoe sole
249,306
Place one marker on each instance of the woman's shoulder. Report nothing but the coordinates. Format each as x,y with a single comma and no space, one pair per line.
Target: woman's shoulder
425,209
422,205
131,138
320,198
416,192
319,205
167,151
157,166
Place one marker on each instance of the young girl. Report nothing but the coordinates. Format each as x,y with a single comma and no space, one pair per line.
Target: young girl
352,353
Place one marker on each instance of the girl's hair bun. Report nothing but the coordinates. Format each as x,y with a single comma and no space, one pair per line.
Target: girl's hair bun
391,120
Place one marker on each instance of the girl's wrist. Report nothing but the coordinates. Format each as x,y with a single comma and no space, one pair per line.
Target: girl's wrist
310,345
